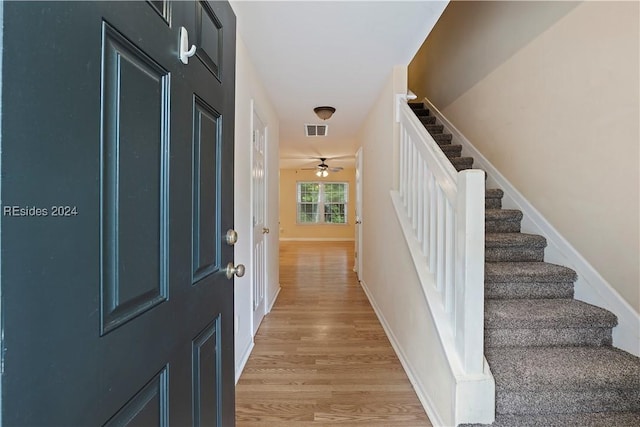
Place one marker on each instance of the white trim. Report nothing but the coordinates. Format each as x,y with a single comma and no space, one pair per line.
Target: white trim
590,287
244,360
317,239
273,299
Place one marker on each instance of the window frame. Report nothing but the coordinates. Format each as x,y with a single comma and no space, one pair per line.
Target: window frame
321,203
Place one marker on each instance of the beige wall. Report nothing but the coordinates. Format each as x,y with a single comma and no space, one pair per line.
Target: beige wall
289,229
389,276
549,93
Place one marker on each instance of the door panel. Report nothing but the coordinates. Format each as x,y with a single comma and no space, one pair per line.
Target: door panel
149,407
101,318
206,375
134,165
208,38
206,230
163,7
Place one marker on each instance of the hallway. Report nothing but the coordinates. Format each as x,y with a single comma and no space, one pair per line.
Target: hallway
321,357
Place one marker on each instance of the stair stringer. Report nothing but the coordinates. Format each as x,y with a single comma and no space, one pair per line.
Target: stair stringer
590,287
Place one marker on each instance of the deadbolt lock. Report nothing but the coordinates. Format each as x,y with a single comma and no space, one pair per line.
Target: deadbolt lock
231,237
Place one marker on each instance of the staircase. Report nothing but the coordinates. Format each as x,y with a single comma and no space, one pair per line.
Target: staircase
551,355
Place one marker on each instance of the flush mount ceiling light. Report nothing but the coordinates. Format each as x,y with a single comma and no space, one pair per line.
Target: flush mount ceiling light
325,112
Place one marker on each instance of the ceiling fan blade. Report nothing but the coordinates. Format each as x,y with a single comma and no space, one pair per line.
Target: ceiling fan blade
336,169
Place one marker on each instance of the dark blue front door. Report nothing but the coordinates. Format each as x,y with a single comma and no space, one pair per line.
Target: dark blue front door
117,189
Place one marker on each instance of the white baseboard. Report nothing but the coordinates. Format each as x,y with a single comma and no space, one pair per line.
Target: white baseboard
317,239
244,359
273,298
590,287
418,387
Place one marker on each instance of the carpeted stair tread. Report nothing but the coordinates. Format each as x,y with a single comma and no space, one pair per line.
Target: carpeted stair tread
462,163
563,368
523,272
416,105
545,313
514,247
495,193
551,380
421,112
592,336
591,419
493,198
452,150
502,214
427,120
442,138
502,220
528,290
500,240
434,129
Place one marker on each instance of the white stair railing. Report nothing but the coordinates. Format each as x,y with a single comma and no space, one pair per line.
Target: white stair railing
445,209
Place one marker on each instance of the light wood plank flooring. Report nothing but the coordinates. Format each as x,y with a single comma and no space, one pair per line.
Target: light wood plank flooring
321,357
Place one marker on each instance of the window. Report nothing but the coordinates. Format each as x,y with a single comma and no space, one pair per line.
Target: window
322,202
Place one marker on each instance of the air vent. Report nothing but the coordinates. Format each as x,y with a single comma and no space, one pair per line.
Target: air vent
316,130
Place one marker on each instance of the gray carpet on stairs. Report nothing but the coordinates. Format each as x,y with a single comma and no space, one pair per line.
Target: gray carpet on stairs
550,355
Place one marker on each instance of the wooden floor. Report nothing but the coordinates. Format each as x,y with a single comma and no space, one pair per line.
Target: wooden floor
321,357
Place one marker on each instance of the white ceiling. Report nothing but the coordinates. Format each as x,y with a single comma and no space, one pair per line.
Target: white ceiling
337,53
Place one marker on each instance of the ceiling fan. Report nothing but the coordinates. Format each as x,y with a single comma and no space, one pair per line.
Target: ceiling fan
323,169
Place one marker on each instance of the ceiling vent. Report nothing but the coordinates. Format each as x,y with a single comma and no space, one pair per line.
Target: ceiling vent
316,130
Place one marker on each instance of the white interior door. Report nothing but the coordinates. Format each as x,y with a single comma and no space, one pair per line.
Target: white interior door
260,229
358,249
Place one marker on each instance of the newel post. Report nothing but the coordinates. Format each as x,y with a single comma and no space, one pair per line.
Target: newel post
469,290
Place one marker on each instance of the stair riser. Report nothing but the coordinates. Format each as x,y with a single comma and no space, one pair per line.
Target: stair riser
514,254
442,138
592,337
427,120
452,151
421,112
559,290
502,226
563,401
492,203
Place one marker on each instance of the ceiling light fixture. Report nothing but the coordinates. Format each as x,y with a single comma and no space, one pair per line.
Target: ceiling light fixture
322,173
325,112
